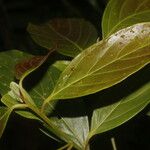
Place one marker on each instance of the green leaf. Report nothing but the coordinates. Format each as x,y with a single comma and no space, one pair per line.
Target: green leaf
46,84
73,124
15,92
4,115
109,117
8,60
29,66
67,36
123,13
105,64
76,130
6,111
11,100
67,126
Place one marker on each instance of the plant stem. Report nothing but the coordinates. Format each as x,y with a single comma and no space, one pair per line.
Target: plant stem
70,147
19,106
113,143
52,126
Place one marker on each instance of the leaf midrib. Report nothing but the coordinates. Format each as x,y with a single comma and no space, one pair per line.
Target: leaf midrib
145,101
75,136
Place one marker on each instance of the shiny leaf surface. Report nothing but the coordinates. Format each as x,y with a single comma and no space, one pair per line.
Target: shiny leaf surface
76,130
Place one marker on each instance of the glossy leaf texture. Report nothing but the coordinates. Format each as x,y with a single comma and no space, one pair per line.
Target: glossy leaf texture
111,116
67,36
4,115
8,60
75,130
105,64
123,13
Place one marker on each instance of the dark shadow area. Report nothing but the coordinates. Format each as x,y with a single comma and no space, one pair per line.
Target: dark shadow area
24,134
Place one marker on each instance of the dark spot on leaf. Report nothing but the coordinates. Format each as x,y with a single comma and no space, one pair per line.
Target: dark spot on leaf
120,43
132,31
72,68
142,31
122,36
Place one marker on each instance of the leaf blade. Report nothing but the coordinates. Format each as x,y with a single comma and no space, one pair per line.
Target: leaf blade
4,115
68,36
7,64
111,116
123,13
75,129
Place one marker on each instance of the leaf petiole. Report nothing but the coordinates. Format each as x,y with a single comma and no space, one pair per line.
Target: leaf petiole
64,147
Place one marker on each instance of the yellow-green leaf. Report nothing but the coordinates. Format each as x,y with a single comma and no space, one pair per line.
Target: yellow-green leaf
123,13
4,115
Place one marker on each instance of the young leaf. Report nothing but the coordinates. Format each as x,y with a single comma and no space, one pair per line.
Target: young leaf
123,13
15,92
10,100
8,60
111,116
4,115
105,64
68,36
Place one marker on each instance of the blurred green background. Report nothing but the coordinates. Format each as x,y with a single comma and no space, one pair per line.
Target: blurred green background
23,134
